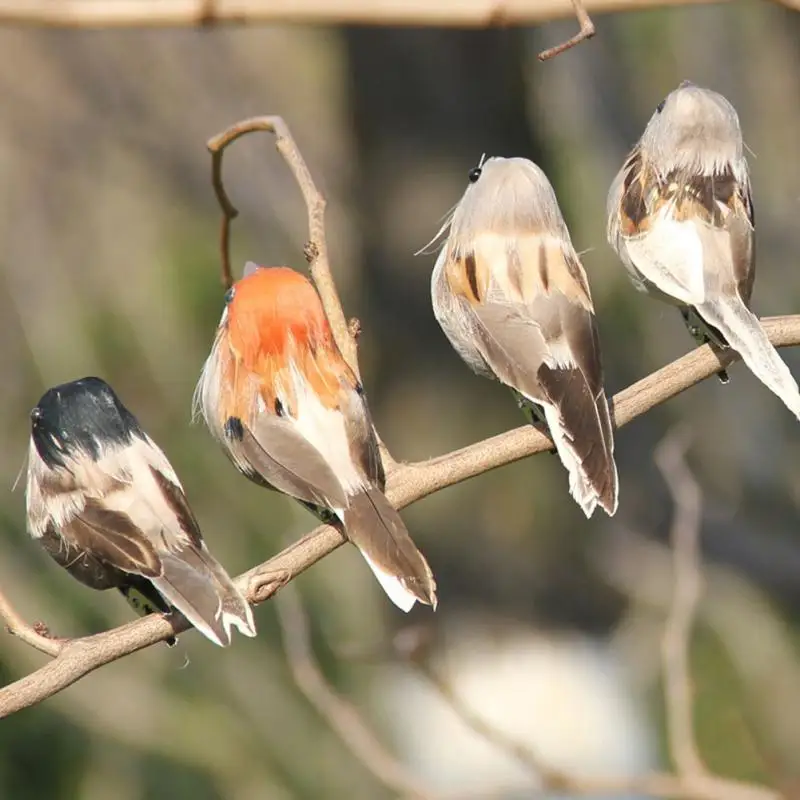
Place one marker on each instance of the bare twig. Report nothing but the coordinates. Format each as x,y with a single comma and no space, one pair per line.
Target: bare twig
343,717
407,483
316,250
687,587
30,634
172,13
586,32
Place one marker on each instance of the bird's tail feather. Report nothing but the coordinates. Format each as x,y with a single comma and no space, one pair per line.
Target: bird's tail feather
195,584
743,332
376,529
592,476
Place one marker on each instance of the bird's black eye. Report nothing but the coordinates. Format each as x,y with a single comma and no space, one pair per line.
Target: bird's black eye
36,414
660,106
474,174
229,295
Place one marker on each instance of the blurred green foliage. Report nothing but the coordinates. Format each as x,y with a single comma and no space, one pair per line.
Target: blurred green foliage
110,267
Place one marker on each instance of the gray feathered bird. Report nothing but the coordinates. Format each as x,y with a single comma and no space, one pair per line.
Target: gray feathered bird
680,216
511,295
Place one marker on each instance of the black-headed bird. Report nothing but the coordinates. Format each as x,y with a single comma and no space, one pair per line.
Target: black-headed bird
106,504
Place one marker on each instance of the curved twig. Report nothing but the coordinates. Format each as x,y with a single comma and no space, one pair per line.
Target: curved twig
316,250
586,32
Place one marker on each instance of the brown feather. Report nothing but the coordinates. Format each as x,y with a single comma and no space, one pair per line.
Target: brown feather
80,563
516,348
717,200
375,527
112,537
288,463
179,505
363,441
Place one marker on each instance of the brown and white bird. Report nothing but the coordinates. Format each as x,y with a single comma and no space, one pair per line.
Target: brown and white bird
106,504
291,415
680,216
512,297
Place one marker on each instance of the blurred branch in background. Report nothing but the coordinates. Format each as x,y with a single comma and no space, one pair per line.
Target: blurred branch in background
687,586
691,781
451,13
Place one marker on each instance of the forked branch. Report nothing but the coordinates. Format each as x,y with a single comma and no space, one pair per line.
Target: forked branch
316,250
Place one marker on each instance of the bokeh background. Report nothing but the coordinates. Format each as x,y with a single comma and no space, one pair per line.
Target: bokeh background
548,624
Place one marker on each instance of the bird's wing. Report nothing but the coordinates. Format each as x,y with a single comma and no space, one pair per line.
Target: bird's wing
271,449
690,236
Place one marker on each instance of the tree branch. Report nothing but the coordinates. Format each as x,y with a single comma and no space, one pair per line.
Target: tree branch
316,251
683,786
30,634
586,32
182,13
346,721
407,483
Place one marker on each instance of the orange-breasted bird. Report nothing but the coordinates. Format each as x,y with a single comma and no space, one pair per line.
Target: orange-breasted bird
292,416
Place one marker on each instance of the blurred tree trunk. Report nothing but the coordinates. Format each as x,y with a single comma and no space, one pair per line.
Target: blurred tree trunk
425,104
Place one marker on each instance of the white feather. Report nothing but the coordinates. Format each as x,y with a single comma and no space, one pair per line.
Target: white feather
670,256
394,589
58,509
325,429
744,333
579,487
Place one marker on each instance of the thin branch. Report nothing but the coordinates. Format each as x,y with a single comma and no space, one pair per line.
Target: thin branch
343,717
316,250
407,483
30,634
684,786
586,32
182,13
687,588
424,478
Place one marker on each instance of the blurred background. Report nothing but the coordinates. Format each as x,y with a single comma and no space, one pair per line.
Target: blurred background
548,624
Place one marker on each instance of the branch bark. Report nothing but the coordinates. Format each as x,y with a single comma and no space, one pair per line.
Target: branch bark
586,31
182,13
407,483
343,717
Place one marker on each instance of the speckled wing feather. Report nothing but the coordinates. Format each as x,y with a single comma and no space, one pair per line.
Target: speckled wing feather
688,237
525,311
